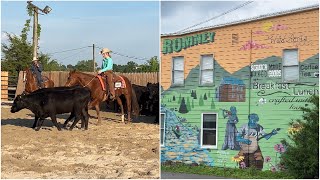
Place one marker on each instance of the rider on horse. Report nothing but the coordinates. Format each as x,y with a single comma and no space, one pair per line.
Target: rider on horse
36,68
106,70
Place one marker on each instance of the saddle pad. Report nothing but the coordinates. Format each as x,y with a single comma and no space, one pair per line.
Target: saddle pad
123,84
101,82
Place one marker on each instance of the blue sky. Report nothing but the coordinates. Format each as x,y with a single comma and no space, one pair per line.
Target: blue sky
128,28
178,15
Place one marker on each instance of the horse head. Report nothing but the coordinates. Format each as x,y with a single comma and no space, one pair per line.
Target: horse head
73,79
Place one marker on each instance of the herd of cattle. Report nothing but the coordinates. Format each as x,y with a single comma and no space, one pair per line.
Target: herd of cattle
48,102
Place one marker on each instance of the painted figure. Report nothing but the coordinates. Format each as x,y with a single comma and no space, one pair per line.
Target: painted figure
231,130
248,136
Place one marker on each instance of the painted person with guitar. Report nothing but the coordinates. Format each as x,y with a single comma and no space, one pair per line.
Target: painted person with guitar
248,137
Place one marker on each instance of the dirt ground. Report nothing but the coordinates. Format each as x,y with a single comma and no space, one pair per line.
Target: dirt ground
111,150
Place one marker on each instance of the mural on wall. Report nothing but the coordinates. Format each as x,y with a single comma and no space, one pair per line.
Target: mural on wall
248,136
182,141
231,129
269,26
231,90
257,88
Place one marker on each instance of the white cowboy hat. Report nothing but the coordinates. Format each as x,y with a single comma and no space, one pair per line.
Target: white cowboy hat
35,59
105,50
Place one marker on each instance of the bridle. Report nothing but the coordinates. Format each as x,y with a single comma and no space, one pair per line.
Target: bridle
82,83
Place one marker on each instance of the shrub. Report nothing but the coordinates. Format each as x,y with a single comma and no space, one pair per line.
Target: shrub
302,151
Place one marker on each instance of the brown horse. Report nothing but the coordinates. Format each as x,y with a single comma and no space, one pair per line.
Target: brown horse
98,94
32,83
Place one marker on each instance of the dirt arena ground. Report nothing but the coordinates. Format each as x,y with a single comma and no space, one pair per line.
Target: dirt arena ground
112,150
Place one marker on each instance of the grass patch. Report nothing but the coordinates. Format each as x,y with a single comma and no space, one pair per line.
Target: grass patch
224,172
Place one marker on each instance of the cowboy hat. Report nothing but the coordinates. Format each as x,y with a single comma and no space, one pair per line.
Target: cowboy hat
35,59
105,50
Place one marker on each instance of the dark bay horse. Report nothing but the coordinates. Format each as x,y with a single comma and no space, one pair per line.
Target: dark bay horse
98,94
32,83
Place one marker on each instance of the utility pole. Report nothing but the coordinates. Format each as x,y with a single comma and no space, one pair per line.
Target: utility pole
46,10
94,63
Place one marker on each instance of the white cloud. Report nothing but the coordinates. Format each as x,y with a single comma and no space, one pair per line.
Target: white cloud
187,14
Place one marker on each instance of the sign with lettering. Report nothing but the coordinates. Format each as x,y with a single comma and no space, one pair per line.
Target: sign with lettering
177,44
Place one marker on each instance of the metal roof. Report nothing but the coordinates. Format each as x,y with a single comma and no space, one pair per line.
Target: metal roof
265,16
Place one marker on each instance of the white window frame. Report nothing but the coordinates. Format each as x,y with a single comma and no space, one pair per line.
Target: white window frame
282,70
201,136
172,71
162,144
200,73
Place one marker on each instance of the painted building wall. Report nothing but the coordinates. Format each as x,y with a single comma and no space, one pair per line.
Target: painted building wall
255,46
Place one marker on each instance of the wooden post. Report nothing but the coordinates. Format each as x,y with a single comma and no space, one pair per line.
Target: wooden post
4,85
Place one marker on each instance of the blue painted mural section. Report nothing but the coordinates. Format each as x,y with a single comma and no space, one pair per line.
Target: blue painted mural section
182,143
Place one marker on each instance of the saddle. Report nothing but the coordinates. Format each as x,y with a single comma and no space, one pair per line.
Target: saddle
117,80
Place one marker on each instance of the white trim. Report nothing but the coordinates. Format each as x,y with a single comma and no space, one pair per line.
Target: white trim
201,133
164,129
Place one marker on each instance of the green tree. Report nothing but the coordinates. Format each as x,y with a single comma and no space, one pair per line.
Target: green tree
188,104
205,96
201,103
301,157
192,104
85,65
179,99
213,106
183,107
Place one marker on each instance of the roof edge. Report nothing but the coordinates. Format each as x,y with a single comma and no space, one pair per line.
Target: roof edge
260,17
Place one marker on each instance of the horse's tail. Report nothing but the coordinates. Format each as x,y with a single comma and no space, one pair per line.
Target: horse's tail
134,104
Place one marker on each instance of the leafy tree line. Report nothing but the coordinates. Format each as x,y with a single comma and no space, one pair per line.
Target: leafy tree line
17,55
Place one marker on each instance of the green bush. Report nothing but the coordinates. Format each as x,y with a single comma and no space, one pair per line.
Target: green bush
302,150
250,173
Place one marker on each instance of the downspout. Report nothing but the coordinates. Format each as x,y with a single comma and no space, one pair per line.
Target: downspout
250,73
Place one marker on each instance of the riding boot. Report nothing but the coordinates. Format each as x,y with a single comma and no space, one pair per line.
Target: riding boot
111,87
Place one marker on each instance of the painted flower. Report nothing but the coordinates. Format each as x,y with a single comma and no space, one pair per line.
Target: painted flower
267,159
273,169
242,165
279,148
237,159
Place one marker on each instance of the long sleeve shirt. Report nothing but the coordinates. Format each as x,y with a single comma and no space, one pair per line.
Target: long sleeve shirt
107,64
35,69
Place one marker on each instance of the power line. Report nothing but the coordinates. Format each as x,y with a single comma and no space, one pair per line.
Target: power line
127,56
233,9
69,50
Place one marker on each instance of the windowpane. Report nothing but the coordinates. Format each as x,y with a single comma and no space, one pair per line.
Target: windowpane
206,62
291,73
206,77
206,74
290,57
162,121
178,63
162,135
209,121
178,71
209,137
178,77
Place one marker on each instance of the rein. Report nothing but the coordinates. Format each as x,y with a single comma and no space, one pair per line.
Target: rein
86,84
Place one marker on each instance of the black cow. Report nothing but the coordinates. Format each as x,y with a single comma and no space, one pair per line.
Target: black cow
153,89
53,101
142,95
72,115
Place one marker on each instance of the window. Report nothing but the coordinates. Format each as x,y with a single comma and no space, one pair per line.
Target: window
290,65
178,71
209,131
162,125
206,70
